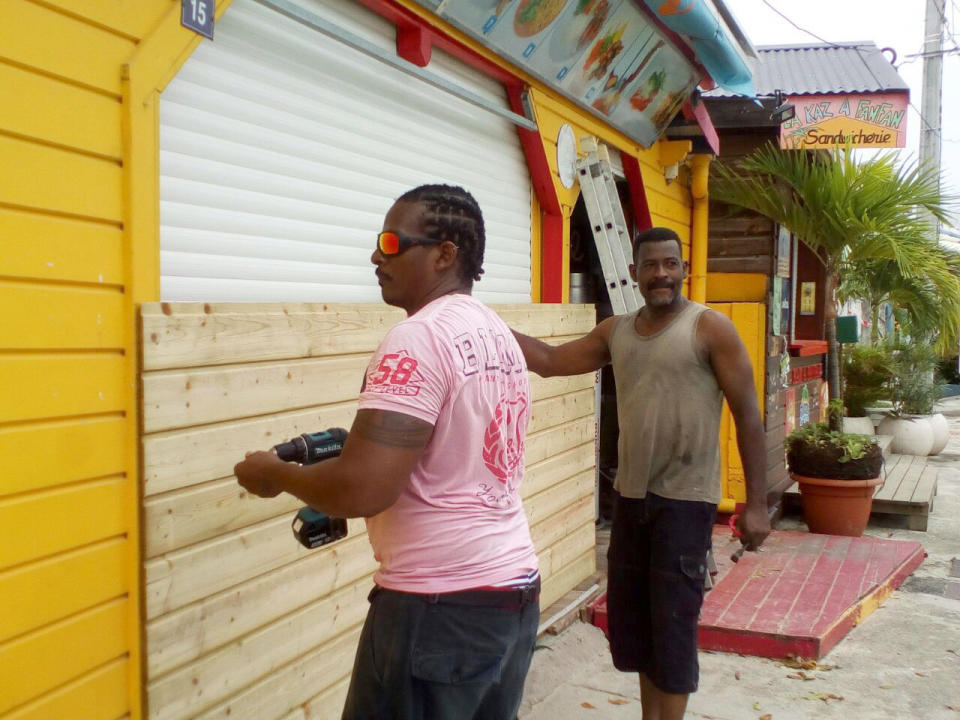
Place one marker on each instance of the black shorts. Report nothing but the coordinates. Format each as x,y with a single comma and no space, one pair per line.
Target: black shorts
657,561
455,656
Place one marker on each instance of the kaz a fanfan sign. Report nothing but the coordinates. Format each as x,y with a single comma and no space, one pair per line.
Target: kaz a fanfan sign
865,120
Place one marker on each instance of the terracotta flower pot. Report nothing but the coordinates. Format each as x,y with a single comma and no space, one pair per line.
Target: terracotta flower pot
836,507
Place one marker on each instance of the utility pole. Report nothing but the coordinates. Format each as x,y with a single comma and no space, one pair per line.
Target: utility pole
930,112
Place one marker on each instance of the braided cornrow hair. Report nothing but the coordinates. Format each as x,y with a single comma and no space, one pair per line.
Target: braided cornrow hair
452,213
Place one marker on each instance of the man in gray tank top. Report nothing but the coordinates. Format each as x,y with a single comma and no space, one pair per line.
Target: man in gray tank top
674,362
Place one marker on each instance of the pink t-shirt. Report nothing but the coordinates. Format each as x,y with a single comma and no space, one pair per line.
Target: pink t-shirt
459,523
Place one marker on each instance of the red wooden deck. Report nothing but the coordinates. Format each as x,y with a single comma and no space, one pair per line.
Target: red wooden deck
802,594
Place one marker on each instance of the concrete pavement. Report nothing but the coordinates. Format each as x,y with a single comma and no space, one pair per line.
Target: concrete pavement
902,662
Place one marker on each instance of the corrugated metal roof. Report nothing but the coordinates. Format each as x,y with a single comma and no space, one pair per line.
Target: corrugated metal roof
851,67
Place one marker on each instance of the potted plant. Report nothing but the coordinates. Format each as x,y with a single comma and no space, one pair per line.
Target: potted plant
866,373
837,473
914,389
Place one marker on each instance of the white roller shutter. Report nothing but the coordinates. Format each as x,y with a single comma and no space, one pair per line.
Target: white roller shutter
281,150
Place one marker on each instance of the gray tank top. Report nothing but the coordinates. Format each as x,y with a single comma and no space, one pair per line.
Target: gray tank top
668,406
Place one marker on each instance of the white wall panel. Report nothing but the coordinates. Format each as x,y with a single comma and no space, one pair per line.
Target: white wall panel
281,149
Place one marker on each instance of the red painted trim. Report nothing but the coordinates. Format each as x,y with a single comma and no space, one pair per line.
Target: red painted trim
414,44
638,194
536,155
805,348
401,17
551,259
702,117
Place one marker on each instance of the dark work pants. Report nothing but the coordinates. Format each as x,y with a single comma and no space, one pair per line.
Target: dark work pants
420,659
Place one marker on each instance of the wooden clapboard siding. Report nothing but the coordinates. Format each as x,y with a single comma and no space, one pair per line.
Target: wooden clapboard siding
240,618
69,631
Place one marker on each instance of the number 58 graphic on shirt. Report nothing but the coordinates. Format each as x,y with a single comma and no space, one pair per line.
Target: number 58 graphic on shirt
395,369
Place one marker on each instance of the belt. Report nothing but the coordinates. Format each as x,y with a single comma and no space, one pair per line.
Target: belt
513,597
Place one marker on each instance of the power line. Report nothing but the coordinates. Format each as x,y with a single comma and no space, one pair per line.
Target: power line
804,30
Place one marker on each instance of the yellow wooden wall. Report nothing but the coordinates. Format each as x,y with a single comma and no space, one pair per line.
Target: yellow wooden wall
70,625
750,320
241,620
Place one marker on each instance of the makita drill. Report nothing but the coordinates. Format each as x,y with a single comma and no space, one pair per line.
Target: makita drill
310,527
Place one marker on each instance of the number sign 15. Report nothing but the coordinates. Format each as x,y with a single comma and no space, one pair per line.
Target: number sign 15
198,16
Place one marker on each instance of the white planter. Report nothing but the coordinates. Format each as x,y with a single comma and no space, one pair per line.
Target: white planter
860,425
912,434
941,433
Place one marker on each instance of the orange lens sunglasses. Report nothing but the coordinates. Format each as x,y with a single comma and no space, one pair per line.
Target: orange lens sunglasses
393,243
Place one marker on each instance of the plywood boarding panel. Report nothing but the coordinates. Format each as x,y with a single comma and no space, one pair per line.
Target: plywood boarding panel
226,580
325,706
46,247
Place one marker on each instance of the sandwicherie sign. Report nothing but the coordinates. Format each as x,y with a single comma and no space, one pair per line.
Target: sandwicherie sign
876,120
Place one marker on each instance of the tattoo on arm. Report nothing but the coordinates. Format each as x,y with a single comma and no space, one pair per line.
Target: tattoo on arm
390,428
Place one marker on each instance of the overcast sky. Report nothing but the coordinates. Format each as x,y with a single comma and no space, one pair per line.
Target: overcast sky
899,25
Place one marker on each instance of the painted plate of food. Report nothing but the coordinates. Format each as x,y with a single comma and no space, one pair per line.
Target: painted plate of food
578,27
534,16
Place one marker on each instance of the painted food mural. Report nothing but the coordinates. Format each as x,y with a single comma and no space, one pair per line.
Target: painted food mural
604,54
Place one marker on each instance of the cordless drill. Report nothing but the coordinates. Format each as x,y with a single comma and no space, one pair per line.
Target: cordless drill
311,528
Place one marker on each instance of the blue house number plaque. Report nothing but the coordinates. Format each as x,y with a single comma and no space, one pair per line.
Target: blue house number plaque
198,16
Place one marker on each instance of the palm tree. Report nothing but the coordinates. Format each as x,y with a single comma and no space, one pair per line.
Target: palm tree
928,296
847,211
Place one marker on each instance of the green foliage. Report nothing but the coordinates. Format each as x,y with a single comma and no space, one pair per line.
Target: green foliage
867,373
916,384
852,445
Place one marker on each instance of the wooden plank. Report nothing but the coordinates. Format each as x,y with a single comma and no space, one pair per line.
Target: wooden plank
559,496
51,179
50,385
43,592
896,467
181,458
41,524
742,246
45,247
560,409
296,684
196,334
328,705
549,472
79,644
177,519
48,317
554,527
61,113
60,452
567,578
567,549
133,21
33,36
184,635
196,687
926,487
911,478
101,693
185,576
542,388
175,399
739,265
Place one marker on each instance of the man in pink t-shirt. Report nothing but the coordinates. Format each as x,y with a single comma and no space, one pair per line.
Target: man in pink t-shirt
434,461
